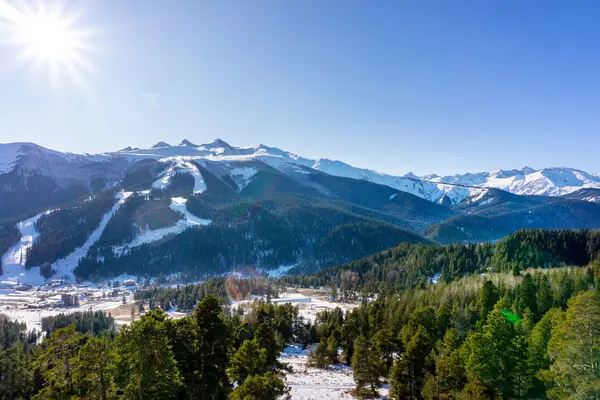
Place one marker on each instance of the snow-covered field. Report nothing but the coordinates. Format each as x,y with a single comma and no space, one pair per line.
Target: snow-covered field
31,306
309,383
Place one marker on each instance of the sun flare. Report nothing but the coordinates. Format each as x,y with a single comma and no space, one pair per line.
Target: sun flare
46,37
49,39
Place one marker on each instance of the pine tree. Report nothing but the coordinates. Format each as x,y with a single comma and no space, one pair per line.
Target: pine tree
146,367
332,349
574,350
365,368
527,295
268,386
213,346
94,369
408,373
544,297
318,357
250,359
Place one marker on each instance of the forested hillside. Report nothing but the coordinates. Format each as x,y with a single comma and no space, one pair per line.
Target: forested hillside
413,265
279,230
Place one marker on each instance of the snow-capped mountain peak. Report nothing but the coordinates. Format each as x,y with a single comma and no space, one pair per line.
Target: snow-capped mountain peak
186,142
161,145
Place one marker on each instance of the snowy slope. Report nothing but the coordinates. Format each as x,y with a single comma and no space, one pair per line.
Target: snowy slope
13,262
148,236
180,165
9,154
65,266
528,181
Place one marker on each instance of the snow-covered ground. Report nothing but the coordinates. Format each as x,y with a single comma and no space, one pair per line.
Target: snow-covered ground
309,383
243,176
180,165
13,262
65,266
277,272
148,236
31,306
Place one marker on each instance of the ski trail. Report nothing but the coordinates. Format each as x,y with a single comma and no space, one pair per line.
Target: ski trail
189,220
65,266
183,166
13,262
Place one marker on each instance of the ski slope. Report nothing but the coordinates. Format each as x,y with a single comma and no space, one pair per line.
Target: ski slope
13,262
180,165
148,236
64,267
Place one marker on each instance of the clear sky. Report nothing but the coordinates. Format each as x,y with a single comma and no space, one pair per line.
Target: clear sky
396,86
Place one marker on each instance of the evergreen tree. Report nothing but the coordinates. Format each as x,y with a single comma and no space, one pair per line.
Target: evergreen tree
365,368
213,346
268,386
250,359
408,373
146,367
574,350
544,297
56,364
94,369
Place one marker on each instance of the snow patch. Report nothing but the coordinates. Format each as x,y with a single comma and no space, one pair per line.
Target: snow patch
180,165
243,176
189,220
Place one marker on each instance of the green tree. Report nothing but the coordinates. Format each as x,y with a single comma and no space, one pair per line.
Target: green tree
544,296
574,351
332,349
94,369
527,295
384,347
318,357
250,359
56,363
214,340
16,375
408,373
365,367
146,367
268,386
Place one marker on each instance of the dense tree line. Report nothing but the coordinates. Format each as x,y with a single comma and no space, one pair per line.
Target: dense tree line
185,297
94,322
9,235
63,230
413,265
31,193
197,357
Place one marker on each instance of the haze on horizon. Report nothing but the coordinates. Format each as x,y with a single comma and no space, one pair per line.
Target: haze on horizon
427,87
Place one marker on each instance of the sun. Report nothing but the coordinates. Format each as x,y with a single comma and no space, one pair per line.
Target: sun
47,37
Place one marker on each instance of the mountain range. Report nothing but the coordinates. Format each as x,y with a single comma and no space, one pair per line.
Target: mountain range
208,208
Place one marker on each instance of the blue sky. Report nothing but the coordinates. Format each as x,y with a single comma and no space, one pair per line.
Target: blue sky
396,86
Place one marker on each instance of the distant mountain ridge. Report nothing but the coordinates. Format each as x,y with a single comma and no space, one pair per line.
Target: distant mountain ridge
555,181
